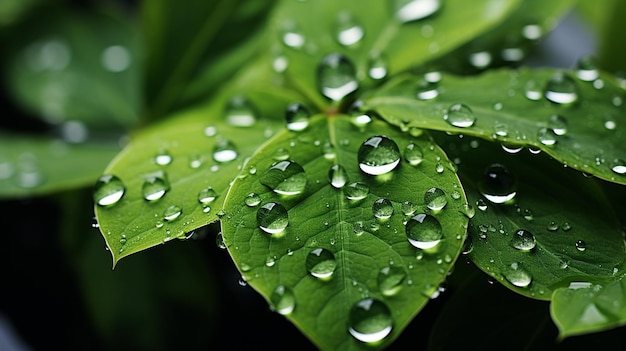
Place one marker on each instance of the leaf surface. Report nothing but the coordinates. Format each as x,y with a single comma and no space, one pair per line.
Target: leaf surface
323,220
514,108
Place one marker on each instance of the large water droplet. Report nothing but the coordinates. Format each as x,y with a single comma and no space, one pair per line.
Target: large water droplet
283,300
378,155
321,263
155,186
390,280
172,212
523,240
349,31
517,275
498,185
382,208
224,151
357,191
370,320
424,231
108,190
297,117
435,199
561,89
586,69
459,115
337,176
336,77
240,112
285,178
413,154
272,218
415,10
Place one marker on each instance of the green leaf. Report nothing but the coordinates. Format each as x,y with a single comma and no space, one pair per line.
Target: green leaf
12,10
187,143
514,108
75,66
570,229
593,305
368,32
333,252
31,165
191,49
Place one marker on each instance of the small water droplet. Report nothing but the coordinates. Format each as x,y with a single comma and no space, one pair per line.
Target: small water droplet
358,228
281,154
498,185
618,166
378,155
349,31
459,115
357,191
581,245
336,77
252,200
108,190
155,186
272,218
163,158
224,151
377,68
297,117
558,124
414,10
321,263
390,280
207,195
426,90
408,208
285,178
586,69
553,226
413,154
424,231
370,320
481,204
240,112
337,176
172,212
382,208
292,36
566,226
219,241
546,136
561,89
517,275
435,199
481,59
532,31
283,300
523,240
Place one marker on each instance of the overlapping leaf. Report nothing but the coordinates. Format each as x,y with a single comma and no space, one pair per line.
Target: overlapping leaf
577,121
368,256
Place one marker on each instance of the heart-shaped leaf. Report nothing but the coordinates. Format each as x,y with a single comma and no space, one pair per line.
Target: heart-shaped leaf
346,229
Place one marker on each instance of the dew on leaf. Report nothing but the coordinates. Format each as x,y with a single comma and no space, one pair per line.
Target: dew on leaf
558,124
618,166
517,275
321,263
283,300
498,185
413,154
163,158
532,91
349,31
337,176
377,68
207,195
370,320
155,186
336,77
292,36
358,228
382,208
272,218
281,154
523,240
414,10
553,226
297,117
481,59
285,178
566,226
561,89
426,90
240,112
252,200
512,149
224,151
532,31
357,191
408,208
108,190
586,69
219,241
581,245
390,280
435,199
546,136
424,231
378,155
459,115
172,212
481,204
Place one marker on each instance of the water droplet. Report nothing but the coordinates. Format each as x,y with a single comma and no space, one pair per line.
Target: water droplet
321,263
481,204
517,275
108,190
292,36
424,231
297,117
272,218
498,185
610,124
281,154
172,212
207,195
382,208
553,226
619,166
546,136
370,320
435,199
481,59
390,280
115,58
586,69
163,158
357,191
378,155
337,176
459,115
415,10
558,124
336,77
349,31
282,299
426,90
413,154
240,112
561,89
532,90
566,226
285,178
224,151
581,245
219,241
523,240
252,200
439,168
377,68
155,186
408,208
532,32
